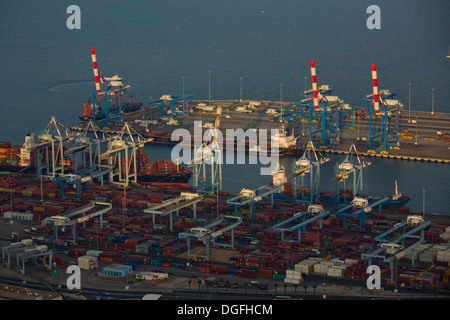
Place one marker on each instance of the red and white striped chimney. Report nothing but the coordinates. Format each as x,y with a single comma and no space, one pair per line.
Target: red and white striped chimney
94,64
376,96
314,84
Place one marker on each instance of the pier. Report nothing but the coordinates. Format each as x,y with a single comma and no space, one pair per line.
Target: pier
422,136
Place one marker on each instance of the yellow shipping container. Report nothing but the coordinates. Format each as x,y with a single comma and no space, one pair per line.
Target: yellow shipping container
40,209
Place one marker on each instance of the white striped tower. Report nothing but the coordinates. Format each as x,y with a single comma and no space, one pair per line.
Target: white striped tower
94,65
314,85
376,96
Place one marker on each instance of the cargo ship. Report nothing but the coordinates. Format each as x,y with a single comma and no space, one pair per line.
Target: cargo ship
162,171
18,158
287,143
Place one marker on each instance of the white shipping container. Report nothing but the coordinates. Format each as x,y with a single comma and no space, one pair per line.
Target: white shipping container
443,258
321,268
293,272
299,277
87,259
445,235
294,281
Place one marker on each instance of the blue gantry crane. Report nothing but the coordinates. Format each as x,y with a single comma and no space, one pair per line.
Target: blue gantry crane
173,102
391,250
314,213
251,197
384,118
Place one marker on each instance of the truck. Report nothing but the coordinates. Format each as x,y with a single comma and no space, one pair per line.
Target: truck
243,109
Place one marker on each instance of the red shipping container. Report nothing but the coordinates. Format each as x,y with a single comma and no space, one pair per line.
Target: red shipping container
246,273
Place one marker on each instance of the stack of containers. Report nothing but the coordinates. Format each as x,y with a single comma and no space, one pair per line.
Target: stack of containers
446,276
443,255
323,266
87,262
307,266
107,256
218,269
77,252
427,279
357,270
420,248
266,273
142,248
445,236
405,279
293,276
246,273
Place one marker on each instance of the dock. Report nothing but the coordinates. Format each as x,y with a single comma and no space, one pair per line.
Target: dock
422,136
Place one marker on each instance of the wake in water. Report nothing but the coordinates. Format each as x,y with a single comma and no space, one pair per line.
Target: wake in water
69,84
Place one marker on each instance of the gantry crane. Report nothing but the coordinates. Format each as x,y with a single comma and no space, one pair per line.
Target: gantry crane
121,155
108,96
172,102
208,153
308,164
50,149
84,158
347,168
384,118
207,233
322,112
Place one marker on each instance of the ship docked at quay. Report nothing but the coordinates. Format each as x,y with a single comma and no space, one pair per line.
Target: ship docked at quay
22,159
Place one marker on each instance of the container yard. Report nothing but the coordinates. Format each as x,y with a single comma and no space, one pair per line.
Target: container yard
91,198
126,241
79,200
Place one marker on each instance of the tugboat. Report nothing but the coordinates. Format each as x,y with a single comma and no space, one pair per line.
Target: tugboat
396,200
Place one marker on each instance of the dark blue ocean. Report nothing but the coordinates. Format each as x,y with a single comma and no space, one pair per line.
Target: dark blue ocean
47,70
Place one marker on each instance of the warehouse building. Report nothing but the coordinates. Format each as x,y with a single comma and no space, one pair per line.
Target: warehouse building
118,270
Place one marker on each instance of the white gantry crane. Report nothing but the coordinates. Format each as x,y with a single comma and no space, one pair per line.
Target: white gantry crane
121,155
308,164
208,153
50,148
347,168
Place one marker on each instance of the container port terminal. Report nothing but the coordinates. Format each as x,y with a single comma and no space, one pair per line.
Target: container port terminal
425,138
88,196
177,241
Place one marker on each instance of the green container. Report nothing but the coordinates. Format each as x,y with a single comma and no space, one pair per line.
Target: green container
279,276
